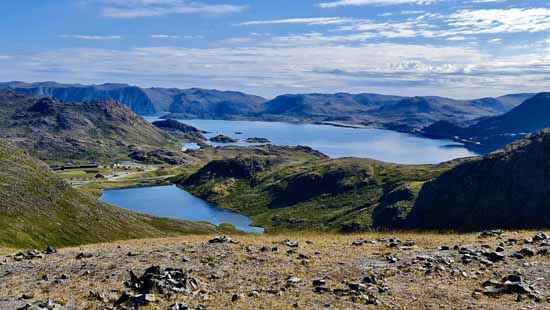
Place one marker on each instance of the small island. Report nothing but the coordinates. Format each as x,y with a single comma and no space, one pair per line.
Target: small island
257,140
223,139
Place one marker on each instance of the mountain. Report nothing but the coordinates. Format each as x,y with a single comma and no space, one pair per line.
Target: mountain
375,110
38,209
392,112
55,130
509,188
192,103
530,116
202,103
133,97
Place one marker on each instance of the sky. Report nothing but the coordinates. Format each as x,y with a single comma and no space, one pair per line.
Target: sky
459,49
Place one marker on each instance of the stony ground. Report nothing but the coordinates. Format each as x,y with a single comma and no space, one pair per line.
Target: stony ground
309,271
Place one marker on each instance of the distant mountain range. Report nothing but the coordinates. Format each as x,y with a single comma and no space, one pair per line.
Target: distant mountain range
530,116
375,110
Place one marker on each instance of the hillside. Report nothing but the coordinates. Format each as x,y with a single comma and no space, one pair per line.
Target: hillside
55,130
509,188
38,209
279,193
304,271
530,116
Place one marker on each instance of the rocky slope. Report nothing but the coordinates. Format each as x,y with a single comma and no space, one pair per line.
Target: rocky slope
37,209
309,271
181,130
530,116
55,130
508,188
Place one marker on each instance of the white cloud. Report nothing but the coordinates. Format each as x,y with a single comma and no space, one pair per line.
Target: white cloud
164,36
4,57
274,69
340,3
89,37
306,20
146,8
500,20
495,41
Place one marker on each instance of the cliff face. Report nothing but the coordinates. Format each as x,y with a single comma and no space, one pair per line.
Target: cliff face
509,188
133,97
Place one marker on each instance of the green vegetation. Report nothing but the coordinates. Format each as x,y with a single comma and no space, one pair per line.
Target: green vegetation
38,209
294,193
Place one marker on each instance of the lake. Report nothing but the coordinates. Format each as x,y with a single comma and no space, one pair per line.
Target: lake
173,202
384,145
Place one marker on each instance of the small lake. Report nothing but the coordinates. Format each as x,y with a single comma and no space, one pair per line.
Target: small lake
173,202
384,145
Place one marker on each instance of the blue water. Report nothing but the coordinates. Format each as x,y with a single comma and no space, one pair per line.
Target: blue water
384,145
173,202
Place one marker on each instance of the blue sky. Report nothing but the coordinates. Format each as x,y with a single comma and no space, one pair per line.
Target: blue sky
462,49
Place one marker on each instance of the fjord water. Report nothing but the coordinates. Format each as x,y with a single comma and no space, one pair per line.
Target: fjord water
172,202
384,145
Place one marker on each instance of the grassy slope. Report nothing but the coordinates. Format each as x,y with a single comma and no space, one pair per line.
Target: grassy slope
37,209
343,194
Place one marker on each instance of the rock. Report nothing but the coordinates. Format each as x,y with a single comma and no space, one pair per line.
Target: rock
223,139
541,236
391,259
444,248
82,255
29,255
235,297
491,233
357,287
510,284
494,256
168,281
319,282
291,244
223,239
51,250
254,294
500,249
293,281
257,140
178,306
527,252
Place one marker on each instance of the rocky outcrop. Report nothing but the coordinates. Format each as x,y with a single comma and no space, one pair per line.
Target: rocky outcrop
257,140
509,188
238,168
223,139
180,129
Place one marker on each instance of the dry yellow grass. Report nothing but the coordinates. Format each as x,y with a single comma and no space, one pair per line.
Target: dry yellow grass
227,269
